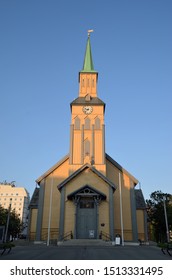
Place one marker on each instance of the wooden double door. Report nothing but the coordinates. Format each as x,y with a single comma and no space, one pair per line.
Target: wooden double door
86,223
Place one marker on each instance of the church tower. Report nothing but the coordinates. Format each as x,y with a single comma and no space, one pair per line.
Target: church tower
87,130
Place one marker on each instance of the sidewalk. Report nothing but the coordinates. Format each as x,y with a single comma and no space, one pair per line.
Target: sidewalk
85,252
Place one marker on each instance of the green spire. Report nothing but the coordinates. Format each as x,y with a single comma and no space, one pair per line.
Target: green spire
88,61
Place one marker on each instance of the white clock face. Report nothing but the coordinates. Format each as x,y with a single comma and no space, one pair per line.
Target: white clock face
87,109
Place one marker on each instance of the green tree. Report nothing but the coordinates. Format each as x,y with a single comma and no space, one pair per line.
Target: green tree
156,215
15,224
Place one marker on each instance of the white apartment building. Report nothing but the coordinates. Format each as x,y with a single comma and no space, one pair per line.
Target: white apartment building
17,196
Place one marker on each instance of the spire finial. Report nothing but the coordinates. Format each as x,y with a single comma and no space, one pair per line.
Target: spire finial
90,31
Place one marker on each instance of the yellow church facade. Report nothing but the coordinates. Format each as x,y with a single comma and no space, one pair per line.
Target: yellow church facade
87,194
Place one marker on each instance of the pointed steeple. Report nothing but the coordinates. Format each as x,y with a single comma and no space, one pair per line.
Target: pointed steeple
88,76
88,61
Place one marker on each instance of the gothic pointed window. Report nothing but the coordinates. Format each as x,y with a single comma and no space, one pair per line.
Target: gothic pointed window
77,123
87,147
97,123
87,123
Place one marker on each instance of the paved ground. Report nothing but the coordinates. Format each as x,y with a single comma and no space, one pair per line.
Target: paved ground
42,252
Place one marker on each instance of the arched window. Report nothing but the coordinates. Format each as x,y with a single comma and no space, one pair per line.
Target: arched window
87,123
97,123
77,123
87,147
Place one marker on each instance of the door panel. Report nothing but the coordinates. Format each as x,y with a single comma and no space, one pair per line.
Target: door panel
86,223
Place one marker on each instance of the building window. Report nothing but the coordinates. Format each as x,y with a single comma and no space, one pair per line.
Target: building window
77,123
87,123
86,203
97,123
87,148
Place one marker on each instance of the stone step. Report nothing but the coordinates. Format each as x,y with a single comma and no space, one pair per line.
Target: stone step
85,242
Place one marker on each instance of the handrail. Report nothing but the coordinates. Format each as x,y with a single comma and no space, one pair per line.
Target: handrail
54,233
105,236
67,235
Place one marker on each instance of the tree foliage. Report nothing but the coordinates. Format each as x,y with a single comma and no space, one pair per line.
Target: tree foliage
15,224
156,214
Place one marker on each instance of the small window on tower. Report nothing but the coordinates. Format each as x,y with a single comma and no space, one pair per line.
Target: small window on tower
97,123
87,148
87,123
77,123
83,83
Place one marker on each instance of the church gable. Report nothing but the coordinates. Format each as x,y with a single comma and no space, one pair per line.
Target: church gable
87,191
87,174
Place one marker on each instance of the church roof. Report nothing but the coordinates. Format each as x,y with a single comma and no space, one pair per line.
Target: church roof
88,61
140,202
54,167
83,101
34,200
118,166
80,170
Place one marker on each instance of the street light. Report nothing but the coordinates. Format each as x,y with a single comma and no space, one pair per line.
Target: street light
8,219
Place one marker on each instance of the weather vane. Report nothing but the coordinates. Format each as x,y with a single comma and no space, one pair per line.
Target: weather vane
90,31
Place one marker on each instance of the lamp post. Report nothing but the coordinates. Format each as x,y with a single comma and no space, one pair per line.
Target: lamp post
166,220
7,223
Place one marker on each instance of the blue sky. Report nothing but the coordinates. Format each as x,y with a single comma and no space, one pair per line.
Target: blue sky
41,52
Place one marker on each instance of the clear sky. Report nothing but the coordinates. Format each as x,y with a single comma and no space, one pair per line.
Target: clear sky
42,46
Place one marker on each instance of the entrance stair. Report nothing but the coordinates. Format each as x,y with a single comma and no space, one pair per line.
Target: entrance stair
85,242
